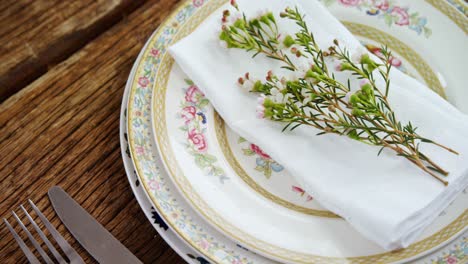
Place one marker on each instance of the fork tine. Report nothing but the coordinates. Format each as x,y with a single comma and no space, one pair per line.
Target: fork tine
43,236
27,252
33,240
67,249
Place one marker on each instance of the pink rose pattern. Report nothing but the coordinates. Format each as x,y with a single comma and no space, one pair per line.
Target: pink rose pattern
259,151
143,81
382,4
198,140
198,3
154,52
401,15
390,12
193,113
193,94
457,254
188,113
350,2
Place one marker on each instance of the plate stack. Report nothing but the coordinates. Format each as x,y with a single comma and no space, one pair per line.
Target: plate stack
218,198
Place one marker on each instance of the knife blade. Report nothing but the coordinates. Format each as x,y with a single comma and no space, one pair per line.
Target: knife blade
101,244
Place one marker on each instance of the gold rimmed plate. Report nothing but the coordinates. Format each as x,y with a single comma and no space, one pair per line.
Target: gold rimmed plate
238,188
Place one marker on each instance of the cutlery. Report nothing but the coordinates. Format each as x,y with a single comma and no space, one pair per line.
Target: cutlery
71,254
104,247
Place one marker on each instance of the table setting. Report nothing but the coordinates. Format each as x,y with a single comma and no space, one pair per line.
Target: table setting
208,147
289,131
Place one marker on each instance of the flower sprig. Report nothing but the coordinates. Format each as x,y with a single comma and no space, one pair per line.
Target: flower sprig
312,96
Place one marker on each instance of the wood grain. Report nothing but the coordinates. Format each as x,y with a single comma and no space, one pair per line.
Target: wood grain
35,35
63,129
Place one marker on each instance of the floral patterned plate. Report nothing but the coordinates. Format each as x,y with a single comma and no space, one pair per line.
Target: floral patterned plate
453,253
183,249
197,133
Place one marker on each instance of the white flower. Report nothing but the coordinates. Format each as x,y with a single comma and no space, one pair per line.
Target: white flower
261,99
281,37
297,74
274,91
262,12
303,66
357,55
223,44
248,85
279,85
234,17
307,96
348,96
279,98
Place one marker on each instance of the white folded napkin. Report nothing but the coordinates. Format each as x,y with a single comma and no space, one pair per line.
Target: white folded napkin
385,197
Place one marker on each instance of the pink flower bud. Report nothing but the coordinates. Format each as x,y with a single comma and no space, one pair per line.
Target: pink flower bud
363,82
269,75
261,109
241,81
338,67
261,100
247,75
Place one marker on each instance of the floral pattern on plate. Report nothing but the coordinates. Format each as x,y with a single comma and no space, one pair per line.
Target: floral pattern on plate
193,113
457,254
302,192
264,163
390,11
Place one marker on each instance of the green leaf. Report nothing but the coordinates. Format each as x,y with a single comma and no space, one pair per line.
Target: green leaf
388,19
427,32
217,171
204,102
248,152
267,171
260,168
241,140
200,161
380,151
210,158
328,2
189,82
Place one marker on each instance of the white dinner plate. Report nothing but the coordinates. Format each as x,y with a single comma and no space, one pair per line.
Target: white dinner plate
157,67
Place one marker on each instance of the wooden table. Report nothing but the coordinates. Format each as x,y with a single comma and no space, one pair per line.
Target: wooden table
63,68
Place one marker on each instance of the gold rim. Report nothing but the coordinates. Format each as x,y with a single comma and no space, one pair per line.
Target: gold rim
451,12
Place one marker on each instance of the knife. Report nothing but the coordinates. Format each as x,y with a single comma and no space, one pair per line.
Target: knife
104,247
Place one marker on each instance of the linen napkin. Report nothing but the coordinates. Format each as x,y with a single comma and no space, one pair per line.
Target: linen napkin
386,198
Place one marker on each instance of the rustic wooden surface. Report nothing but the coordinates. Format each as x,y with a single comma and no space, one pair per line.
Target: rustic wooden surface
63,67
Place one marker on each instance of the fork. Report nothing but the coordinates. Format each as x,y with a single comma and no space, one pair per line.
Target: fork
71,254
